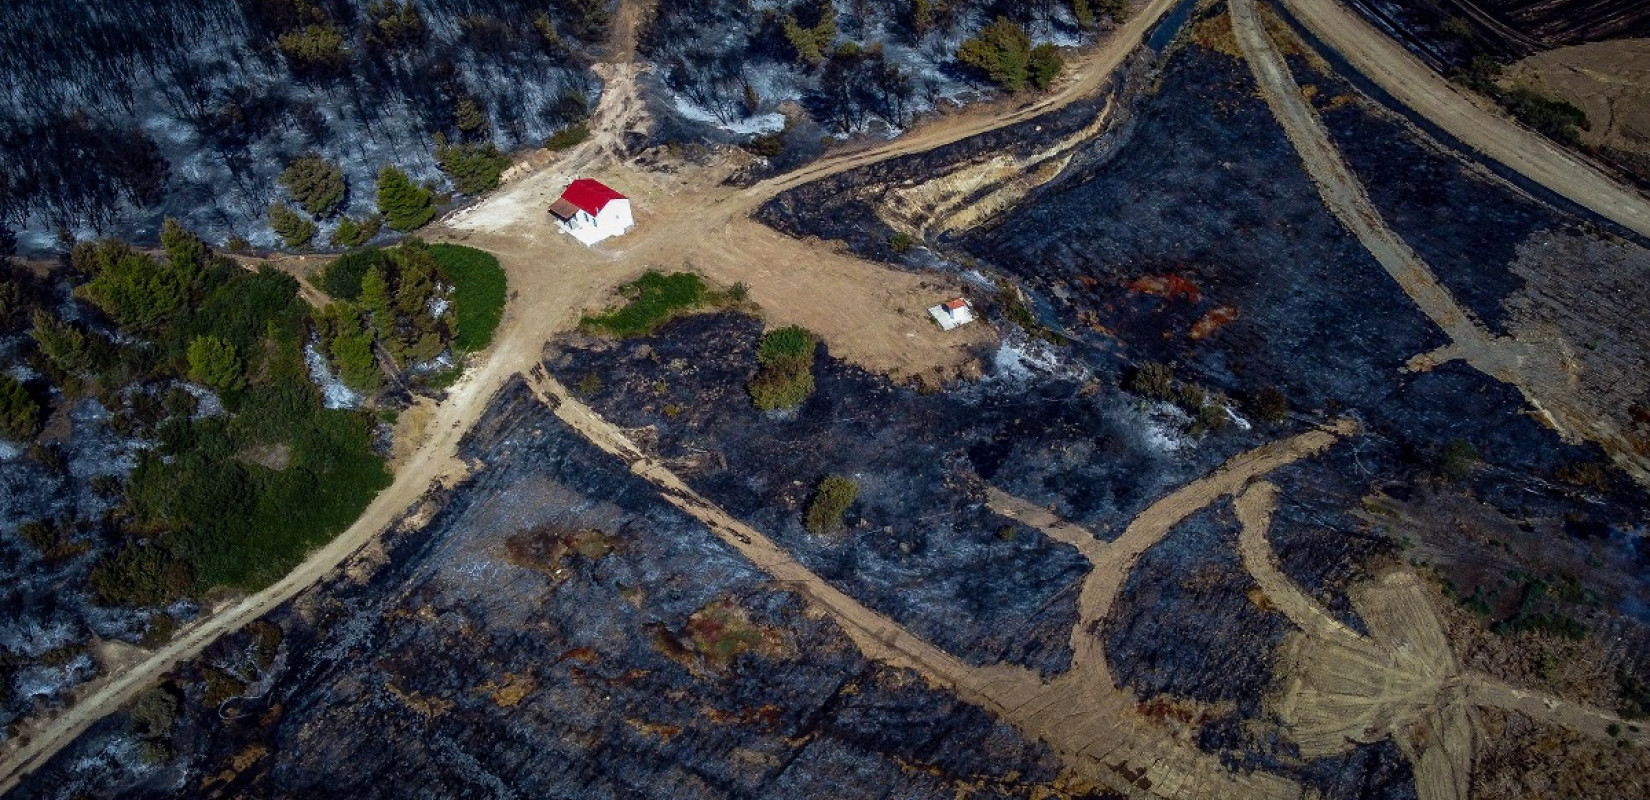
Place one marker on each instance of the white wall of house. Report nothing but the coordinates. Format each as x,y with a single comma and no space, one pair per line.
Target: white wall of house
614,220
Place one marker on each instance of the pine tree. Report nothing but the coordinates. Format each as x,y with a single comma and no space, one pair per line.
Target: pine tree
63,343
213,362
19,414
315,183
1001,50
184,250
295,231
405,206
375,300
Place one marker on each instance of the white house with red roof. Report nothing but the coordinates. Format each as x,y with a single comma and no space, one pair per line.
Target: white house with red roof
592,211
952,313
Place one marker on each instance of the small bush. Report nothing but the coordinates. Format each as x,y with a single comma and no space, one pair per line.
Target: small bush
295,231
473,168
1153,380
315,183
786,378
1554,117
19,413
1457,459
830,502
1270,405
901,242
353,233
568,137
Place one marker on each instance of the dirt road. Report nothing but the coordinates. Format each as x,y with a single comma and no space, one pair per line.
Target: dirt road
1401,680
1093,724
1470,119
1539,364
552,280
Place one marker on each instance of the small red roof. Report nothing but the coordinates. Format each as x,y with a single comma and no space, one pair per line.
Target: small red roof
956,304
590,195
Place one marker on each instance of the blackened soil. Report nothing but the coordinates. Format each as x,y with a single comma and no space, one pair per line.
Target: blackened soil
919,545
1466,226
1186,626
399,686
842,207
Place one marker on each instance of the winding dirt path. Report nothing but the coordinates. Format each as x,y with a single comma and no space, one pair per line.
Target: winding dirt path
1469,118
1094,725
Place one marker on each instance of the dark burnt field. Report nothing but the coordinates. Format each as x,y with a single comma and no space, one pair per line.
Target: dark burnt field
557,630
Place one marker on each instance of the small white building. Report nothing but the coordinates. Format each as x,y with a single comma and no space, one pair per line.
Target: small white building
952,313
591,211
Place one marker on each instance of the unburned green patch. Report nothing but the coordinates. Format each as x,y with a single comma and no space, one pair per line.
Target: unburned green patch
651,301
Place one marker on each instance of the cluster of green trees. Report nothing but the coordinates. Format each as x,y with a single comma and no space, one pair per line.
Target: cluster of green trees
1158,382
383,303
229,500
473,167
1002,51
786,375
812,42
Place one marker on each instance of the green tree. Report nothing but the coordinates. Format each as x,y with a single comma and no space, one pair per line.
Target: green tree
473,167
315,183
830,502
62,342
295,231
1045,65
786,377
405,206
811,44
213,361
350,347
469,116
1002,51
375,300
316,48
184,250
19,414
137,291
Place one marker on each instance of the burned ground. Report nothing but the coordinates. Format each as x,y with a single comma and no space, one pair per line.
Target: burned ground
591,680
919,544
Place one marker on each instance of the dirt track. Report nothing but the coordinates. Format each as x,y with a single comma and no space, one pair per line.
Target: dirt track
1468,118
1540,365
1082,714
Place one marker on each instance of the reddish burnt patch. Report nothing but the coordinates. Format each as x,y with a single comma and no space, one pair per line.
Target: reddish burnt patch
1213,320
1169,287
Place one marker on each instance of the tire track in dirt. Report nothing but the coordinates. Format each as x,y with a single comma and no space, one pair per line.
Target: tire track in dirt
1401,681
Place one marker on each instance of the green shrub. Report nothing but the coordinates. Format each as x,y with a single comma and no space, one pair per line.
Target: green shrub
315,183
1457,459
786,379
184,250
652,300
140,575
353,233
134,289
831,500
295,231
1270,405
1153,380
314,49
1044,66
1554,117
404,206
473,167
479,292
901,242
19,413
60,341
812,43
568,136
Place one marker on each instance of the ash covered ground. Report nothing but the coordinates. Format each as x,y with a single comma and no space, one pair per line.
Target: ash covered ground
557,630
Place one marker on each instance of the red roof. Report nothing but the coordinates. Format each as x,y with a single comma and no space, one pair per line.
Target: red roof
956,304
590,195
